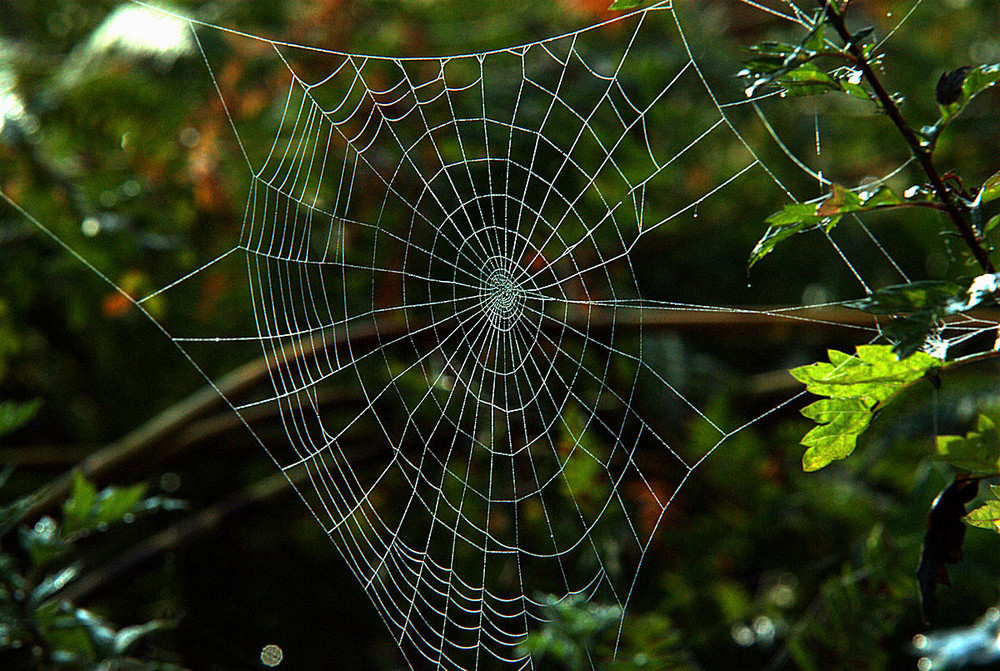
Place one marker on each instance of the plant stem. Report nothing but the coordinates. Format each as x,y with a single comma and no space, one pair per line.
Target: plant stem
920,150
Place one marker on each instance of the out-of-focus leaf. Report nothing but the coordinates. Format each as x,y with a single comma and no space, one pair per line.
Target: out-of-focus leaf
127,636
53,583
101,635
987,516
77,508
943,540
43,542
912,297
115,502
978,451
15,415
857,386
625,4
920,306
909,333
969,647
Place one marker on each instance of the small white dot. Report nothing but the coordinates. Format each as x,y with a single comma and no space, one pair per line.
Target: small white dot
271,655
90,226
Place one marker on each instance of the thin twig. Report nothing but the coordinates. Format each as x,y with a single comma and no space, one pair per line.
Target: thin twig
921,150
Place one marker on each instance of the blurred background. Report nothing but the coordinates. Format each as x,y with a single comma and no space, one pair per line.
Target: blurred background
113,137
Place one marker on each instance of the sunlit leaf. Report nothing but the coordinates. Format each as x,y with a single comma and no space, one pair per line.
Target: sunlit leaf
857,386
990,190
840,421
987,516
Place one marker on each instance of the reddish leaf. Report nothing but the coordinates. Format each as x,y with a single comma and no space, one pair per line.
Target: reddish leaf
943,539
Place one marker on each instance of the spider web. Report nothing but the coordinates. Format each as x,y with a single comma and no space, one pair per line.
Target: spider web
436,235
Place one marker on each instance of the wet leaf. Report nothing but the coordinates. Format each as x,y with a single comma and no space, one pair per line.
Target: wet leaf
974,80
990,190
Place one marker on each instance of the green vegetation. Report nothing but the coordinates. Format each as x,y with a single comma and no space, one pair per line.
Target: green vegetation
769,558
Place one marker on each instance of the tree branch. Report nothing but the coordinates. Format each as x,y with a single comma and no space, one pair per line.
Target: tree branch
920,150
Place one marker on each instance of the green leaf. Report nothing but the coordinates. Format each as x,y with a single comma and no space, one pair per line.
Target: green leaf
909,333
856,386
840,421
791,220
114,503
990,190
987,516
807,79
625,4
977,79
15,415
43,542
800,217
77,509
978,451
912,297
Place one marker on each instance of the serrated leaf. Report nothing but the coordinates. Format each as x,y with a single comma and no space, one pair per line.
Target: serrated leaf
978,451
874,373
856,386
987,516
77,508
839,201
840,421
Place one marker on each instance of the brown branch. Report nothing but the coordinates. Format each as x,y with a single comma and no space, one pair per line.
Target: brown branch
921,150
175,423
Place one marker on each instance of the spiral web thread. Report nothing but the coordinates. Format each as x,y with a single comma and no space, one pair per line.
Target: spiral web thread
444,220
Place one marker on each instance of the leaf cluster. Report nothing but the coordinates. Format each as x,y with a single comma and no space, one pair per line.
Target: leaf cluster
39,627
